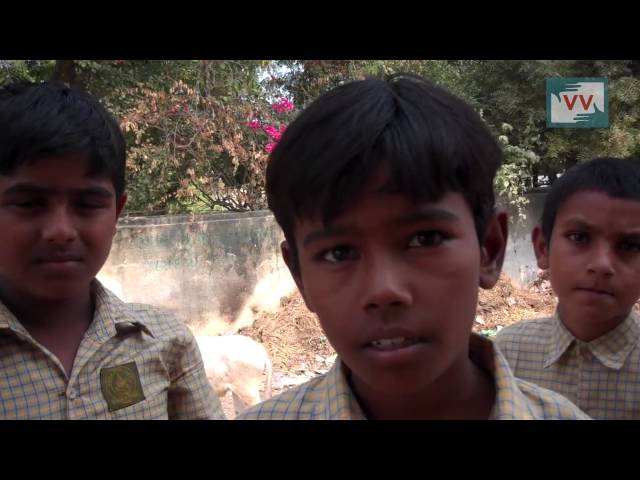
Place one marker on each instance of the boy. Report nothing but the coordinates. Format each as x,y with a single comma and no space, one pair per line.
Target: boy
384,191
69,348
589,240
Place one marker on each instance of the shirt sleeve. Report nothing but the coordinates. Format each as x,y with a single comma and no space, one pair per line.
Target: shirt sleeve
191,397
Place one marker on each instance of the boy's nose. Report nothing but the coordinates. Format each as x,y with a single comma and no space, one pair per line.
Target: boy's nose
59,227
386,286
602,261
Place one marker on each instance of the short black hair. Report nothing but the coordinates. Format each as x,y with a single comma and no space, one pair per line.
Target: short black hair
432,141
39,120
616,177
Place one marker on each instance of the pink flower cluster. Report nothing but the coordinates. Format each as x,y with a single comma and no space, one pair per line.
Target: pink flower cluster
254,124
283,105
273,132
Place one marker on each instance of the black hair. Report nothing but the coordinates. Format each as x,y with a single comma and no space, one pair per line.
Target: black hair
616,177
431,141
39,120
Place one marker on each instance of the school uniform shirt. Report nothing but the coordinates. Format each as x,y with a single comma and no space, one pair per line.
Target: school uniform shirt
602,376
329,396
134,362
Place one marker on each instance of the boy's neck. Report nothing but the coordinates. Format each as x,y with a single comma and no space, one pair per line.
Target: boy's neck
464,392
58,325
51,315
588,331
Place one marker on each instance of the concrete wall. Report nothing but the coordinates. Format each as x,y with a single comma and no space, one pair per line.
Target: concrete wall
211,270
520,261
215,271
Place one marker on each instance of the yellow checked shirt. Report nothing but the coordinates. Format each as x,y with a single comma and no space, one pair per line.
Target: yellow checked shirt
329,396
602,377
134,362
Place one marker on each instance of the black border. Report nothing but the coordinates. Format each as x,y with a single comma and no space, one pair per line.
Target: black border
321,30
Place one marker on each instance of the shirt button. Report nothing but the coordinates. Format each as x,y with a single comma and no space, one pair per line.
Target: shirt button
72,394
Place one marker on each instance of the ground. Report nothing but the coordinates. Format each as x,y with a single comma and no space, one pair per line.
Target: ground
299,350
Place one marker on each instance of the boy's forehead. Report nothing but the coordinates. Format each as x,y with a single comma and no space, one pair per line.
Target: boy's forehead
66,163
73,171
381,209
578,199
592,207
379,179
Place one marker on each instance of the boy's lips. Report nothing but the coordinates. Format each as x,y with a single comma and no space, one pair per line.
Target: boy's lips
398,353
390,339
595,296
59,264
394,343
596,291
62,258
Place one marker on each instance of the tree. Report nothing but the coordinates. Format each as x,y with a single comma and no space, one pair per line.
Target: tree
514,92
192,147
65,71
194,142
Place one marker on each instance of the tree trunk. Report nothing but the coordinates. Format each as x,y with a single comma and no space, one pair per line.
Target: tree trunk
571,160
65,71
204,76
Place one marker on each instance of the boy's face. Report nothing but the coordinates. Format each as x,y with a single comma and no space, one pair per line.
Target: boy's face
56,228
593,257
395,285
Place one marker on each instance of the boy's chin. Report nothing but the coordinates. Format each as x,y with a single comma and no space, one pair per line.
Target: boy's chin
595,314
69,291
394,384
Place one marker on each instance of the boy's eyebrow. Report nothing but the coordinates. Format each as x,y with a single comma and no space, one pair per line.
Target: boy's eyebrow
328,232
578,222
35,189
428,214
582,223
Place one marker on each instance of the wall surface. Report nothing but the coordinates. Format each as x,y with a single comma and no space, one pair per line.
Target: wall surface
211,270
216,271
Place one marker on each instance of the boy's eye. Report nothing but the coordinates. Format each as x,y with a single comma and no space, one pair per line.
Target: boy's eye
578,237
338,254
630,246
427,239
89,205
29,204
90,202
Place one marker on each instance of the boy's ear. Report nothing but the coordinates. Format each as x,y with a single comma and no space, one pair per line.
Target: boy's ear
293,264
493,248
540,247
120,203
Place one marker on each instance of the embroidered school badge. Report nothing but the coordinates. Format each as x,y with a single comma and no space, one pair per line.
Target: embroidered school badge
121,386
